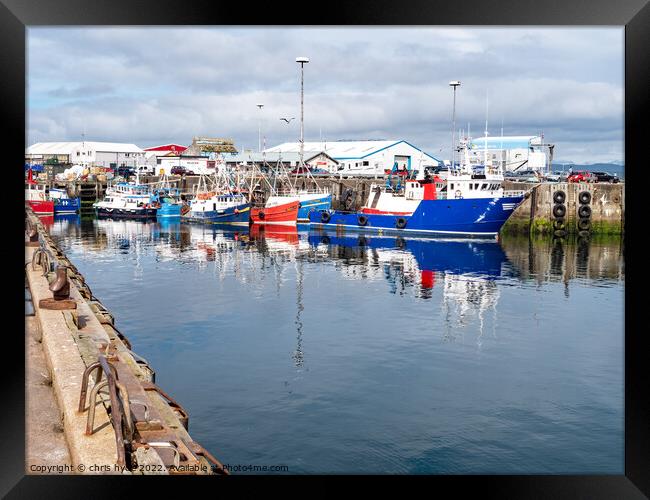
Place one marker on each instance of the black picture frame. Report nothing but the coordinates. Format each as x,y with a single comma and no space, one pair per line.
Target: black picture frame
17,15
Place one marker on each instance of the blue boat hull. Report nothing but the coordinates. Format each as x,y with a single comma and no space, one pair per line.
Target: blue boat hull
169,210
324,203
461,217
238,215
67,206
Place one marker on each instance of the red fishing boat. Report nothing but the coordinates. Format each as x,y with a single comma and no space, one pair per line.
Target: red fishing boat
277,210
36,198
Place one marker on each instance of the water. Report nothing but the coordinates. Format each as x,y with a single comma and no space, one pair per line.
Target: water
344,354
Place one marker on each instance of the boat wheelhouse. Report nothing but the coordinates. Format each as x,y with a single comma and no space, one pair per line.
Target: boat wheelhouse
36,197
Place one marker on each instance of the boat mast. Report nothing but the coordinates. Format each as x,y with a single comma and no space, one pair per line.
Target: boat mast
486,129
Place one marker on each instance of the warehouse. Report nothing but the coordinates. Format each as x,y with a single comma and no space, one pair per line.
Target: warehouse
313,159
366,157
520,152
89,153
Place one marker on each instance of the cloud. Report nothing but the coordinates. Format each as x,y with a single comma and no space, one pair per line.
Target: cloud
157,85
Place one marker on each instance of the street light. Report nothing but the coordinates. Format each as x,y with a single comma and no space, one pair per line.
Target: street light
302,61
454,84
259,148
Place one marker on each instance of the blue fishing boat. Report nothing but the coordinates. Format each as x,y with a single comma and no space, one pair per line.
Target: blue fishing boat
63,204
469,202
168,202
229,208
310,202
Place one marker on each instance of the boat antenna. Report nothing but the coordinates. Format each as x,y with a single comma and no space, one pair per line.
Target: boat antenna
486,127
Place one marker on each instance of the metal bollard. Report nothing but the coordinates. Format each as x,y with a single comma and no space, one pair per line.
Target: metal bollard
60,287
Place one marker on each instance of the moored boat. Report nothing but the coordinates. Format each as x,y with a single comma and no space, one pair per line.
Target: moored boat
36,197
310,202
276,210
216,208
126,201
217,201
63,204
470,202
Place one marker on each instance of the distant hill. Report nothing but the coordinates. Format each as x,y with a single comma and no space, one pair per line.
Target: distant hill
612,168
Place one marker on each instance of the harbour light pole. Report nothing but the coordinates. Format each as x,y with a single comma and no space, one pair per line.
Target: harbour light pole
302,61
259,147
454,84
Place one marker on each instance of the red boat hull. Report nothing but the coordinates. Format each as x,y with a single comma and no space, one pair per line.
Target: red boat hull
285,214
42,207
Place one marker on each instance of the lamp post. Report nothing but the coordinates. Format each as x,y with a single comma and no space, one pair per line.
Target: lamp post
259,129
454,84
302,61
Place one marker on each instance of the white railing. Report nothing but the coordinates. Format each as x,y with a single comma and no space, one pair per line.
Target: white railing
514,192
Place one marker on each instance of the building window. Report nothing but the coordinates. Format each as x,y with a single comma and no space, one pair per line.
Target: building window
78,153
365,163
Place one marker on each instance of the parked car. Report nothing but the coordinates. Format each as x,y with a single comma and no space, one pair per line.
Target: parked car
300,170
556,176
582,176
145,170
522,176
306,170
124,171
178,170
606,177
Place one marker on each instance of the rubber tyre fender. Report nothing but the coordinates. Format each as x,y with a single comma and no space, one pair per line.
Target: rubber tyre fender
559,224
584,212
584,197
584,224
559,197
400,223
559,211
261,215
362,220
325,217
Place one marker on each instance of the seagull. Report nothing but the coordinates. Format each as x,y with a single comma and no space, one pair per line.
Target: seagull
287,119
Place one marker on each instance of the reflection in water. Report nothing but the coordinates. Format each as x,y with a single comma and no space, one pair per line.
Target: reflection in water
465,270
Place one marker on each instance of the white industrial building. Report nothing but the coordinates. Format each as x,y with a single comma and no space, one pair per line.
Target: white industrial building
365,157
520,152
290,160
90,153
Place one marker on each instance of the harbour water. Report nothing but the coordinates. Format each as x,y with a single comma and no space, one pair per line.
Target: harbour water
331,353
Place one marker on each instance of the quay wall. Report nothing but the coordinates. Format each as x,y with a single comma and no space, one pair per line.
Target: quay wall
535,215
146,431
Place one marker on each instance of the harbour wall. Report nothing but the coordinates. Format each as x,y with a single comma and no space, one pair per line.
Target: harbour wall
538,213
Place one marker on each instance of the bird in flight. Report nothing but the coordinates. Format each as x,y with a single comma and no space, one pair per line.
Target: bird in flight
287,119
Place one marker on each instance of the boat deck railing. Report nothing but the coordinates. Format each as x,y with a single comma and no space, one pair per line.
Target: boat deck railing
514,193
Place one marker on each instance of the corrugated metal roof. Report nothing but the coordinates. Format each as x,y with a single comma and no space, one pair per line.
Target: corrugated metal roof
64,148
336,149
271,156
343,149
506,142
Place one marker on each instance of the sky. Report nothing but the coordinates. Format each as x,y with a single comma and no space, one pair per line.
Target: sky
158,85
